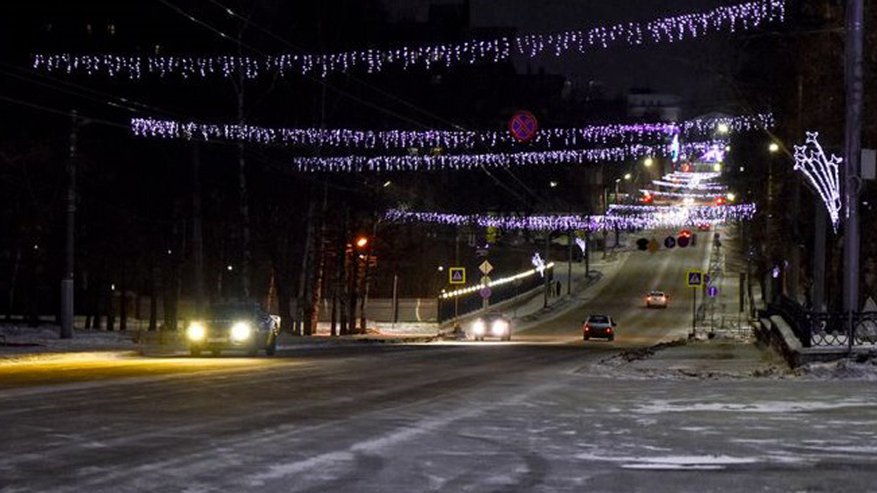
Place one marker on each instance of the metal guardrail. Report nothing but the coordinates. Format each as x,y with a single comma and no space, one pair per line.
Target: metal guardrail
826,329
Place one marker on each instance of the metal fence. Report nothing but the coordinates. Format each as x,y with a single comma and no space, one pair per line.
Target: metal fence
827,328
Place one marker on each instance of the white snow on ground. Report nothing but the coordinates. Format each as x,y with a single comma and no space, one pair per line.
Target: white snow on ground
387,328
843,369
770,407
16,339
672,462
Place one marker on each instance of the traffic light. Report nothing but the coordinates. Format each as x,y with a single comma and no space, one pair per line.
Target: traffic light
684,238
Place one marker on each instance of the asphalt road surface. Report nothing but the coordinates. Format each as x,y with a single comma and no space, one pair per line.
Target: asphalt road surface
623,297
547,412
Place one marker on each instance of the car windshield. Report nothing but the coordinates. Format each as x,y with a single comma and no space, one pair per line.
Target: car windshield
598,319
656,293
231,311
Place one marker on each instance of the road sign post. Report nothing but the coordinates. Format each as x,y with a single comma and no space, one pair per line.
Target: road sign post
694,279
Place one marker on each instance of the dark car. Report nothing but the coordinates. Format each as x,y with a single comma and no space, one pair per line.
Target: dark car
241,326
491,324
601,326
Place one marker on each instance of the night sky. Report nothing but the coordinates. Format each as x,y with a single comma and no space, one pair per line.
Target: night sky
691,69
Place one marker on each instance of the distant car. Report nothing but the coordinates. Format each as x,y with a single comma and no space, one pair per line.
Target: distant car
656,299
601,326
491,324
241,326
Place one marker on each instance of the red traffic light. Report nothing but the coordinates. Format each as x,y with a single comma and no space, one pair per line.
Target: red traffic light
685,233
361,242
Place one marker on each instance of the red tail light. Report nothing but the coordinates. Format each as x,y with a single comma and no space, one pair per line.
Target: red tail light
609,330
587,328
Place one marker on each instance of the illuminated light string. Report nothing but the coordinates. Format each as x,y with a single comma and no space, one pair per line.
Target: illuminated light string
823,172
690,185
354,164
494,283
680,195
672,29
447,139
691,178
641,219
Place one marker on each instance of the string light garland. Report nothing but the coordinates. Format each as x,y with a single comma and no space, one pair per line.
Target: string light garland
691,186
447,139
823,172
354,164
619,217
730,19
679,195
493,283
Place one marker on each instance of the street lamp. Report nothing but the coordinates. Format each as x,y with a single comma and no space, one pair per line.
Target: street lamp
773,148
361,242
648,162
628,176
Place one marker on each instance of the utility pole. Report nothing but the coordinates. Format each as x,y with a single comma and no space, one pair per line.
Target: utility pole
853,144
67,280
570,240
547,286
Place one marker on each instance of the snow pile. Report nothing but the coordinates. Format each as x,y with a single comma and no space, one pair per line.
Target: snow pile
45,338
863,367
386,328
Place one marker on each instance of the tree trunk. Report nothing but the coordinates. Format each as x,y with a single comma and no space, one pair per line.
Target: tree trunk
153,296
12,281
341,279
303,285
111,306
123,298
197,234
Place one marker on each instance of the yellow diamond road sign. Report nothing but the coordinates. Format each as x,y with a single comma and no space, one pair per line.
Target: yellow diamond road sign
485,267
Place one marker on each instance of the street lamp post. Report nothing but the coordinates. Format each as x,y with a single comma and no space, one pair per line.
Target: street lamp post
66,331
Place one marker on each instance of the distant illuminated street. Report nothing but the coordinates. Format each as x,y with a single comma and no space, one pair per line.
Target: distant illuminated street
403,246
531,415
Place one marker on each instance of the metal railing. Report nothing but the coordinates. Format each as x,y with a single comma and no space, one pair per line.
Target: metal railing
825,329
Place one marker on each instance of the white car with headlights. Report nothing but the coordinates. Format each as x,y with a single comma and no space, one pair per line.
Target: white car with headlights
241,326
493,325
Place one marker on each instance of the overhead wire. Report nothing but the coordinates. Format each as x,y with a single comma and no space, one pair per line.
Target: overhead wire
322,81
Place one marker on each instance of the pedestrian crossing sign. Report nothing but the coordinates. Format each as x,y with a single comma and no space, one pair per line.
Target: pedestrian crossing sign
695,279
457,275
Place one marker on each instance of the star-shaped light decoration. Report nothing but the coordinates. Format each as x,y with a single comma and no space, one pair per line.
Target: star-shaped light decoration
538,263
823,173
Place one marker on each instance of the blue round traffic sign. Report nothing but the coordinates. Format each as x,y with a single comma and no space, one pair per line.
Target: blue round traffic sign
523,126
669,242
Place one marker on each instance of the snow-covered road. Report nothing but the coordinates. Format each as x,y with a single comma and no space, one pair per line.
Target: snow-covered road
439,417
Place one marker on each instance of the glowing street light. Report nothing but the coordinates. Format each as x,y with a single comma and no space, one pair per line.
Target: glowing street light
361,242
648,162
732,197
723,128
628,176
773,147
